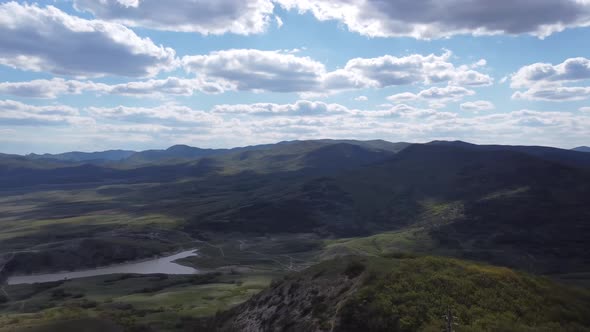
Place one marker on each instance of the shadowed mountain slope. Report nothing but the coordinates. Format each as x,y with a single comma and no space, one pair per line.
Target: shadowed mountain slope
110,155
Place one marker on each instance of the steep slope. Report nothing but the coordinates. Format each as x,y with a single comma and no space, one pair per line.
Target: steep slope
344,156
408,294
505,207
567,157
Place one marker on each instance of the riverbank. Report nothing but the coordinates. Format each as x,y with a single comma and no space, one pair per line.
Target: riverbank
161,265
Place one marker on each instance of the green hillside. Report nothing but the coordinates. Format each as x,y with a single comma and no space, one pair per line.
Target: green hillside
409,294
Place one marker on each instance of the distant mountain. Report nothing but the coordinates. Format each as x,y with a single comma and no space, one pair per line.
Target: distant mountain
406,294
110,155
582,149
178,153
182,161
10,161
567,157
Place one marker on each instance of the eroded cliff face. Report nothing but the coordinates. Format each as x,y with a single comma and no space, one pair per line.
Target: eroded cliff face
305,301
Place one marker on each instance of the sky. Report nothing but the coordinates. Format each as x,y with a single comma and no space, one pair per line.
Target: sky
92,75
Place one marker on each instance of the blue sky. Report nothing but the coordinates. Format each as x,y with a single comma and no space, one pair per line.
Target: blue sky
136,74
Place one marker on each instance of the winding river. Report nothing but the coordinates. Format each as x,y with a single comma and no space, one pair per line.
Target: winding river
164,265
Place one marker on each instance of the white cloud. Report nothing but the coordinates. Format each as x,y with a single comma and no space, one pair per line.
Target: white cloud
573,69
476,106
201,16
169,114
171,86
446,94
47,39
300,108
277,71
361,98
427,19
402,97
134,128
390,71
267,122
14,113
434,94
480,63
279,21
46,88
544,81
554,93
256,70
584,109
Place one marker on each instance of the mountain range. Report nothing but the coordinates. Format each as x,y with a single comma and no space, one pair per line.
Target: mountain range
519,206
342,223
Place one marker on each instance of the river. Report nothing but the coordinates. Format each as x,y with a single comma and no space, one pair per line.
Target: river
164,265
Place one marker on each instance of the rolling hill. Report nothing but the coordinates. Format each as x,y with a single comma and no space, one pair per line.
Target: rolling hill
408,294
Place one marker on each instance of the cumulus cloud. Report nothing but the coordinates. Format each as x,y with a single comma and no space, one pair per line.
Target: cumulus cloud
585,109
389,70
277,71
257,70
274,71
241,124
133,128
165,114
403,97
46,88
404,122
435,94
554,93
406,112
201,16
301,107
48,39
428,19
548,82
476,106
361,98
170,86
573,69
15,113
447,93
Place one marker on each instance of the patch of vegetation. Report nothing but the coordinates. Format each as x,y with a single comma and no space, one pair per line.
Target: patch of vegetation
408,240
409,294
354,269
126,301
416,293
